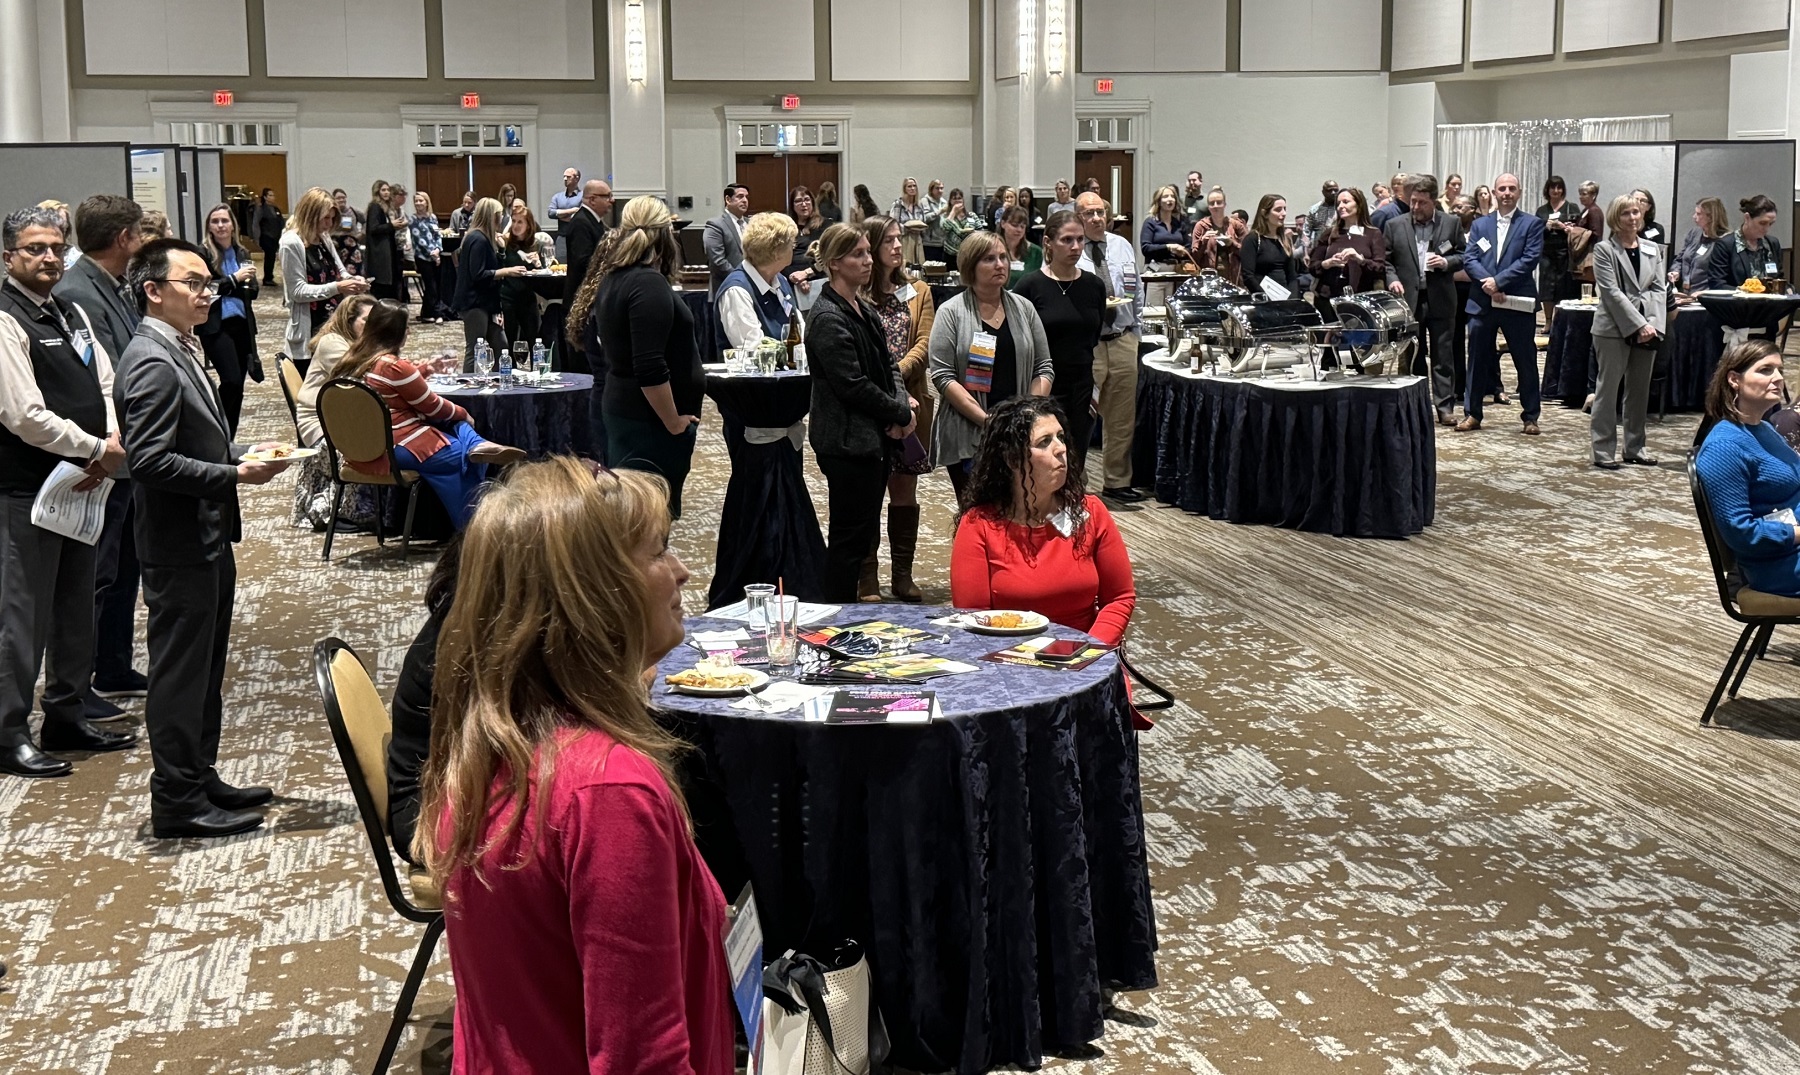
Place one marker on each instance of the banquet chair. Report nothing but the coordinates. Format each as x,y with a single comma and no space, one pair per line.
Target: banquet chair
360,729
359,428
1760,613
289,376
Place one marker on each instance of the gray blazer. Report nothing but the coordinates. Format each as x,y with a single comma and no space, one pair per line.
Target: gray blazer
724,247
298,294
1630,301
1403,262
953,437
183,462
90,287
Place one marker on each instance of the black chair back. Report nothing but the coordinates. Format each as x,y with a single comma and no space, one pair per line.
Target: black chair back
1723,563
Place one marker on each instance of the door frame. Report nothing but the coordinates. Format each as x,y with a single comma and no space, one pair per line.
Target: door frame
736,115
412,117
165,114
1138,112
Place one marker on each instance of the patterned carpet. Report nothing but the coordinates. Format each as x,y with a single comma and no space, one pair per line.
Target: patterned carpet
1429,806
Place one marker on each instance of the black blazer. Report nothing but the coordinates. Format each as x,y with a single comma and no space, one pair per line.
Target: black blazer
231,288
581,235
476,263
381,249
1447,242
1729,266
183,462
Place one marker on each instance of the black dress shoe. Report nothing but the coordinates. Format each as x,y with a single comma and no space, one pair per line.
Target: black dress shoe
94,707
1641,460
226,797
24,759
82,735
206,824
131,684
1607,464
1123,494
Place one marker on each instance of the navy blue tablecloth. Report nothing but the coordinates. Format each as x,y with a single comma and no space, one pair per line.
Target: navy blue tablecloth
708,333
1696,340
768,530
1569,356
992,864
1348,459
543,421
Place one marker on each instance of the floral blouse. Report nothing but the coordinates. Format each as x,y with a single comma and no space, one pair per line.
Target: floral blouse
895,318
428,243
322,268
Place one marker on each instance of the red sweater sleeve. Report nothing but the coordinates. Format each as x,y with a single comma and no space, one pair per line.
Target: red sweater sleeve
1118,593
621,844
971,581
397,378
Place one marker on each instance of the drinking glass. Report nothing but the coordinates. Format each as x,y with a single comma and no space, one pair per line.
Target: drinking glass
783,641
1587,292
758,597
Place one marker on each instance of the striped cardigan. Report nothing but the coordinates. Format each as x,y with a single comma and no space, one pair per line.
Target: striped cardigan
416,410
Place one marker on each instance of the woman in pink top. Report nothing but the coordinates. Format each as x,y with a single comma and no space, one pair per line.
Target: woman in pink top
431,434
585,932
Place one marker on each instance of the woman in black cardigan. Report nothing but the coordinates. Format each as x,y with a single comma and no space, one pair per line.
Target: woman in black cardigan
654,381
860,409
477,285
381,248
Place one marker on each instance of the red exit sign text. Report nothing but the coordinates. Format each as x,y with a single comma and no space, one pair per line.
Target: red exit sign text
1103,86
223,98
790,101
471,100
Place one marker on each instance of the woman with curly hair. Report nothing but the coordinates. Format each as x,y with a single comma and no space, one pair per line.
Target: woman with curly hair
1032,537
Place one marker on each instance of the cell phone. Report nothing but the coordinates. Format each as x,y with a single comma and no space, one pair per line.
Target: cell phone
1061,649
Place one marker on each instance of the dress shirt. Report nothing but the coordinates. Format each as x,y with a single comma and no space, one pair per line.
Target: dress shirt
229,263
22,407
560,202
187,344
1114,261
1502,225
1422,240
737,313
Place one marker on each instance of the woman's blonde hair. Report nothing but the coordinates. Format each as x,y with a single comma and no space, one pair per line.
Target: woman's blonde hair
974,249
768,236
1156,199
312,215
341,322
1615,209
835,244
643,233
489,219
430,210
1717,223
547,635
375,190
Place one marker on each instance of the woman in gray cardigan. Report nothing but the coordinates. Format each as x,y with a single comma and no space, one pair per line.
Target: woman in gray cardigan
1015,363
1631,282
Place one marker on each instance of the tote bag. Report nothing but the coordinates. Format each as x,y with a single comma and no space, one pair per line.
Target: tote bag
819,1016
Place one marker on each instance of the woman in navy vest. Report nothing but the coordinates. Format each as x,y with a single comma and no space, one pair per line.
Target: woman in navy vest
755,300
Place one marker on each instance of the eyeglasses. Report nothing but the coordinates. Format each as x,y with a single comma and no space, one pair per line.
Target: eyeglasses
195,284
38,250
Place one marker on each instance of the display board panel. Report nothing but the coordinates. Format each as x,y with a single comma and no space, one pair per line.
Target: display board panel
1730,171
65,171
1617,167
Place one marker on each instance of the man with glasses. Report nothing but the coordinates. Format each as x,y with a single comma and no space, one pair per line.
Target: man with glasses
185,476
55,406
1112,258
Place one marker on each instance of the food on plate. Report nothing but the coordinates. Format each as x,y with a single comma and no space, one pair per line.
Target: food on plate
1001,619
712,679
1754,286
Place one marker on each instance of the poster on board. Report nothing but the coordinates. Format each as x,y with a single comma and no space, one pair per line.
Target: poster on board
149,184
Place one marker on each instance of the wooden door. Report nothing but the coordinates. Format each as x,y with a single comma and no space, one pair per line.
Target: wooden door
495,170
254,171
443,177
1114,169
811,169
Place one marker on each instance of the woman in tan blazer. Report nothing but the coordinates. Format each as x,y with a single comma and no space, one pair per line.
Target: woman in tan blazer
905,311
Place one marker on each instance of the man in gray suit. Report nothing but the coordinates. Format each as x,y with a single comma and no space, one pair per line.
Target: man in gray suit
186,473
106,225
724,238
1425,249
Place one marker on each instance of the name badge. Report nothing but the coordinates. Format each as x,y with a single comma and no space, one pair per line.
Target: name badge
1769,267
906,293
1705,250
1486,247
1131,282
85,340
979,377
1356,229
1444,247
1018,266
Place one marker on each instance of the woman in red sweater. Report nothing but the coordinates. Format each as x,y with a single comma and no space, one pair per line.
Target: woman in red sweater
431,434
585,931
1032,538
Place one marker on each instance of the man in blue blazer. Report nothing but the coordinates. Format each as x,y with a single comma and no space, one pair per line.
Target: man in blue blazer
1501,260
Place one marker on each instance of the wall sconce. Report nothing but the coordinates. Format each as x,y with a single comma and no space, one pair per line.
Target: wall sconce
635,67
1027,35
1055,18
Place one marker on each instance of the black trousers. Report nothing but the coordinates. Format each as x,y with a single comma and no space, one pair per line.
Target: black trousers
428,284
1434,358
523,323
115,588
190,633
46,612
271,253
229,353
855,487
1074,389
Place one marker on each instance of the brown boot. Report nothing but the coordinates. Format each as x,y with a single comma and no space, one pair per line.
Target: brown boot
903,538
868,584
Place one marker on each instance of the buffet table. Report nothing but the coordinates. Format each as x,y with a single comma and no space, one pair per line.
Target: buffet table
992,863
1350,458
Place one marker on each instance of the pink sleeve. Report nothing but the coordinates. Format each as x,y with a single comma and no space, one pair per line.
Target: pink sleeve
411,387
620,845
971,583
1118,594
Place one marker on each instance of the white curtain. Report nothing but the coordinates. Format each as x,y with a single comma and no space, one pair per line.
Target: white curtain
1480,151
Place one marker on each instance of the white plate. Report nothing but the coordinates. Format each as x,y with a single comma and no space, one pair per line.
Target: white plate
1117,301
291,455
914,225
1034,623
758,680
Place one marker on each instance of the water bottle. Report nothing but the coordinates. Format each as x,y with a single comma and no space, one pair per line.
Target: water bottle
540,358
484,358
506,366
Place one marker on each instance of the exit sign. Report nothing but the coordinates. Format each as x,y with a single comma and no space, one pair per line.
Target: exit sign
471,100
223,98
1103,86
790,101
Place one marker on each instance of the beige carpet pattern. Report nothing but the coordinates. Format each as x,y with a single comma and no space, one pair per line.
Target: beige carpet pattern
1429,806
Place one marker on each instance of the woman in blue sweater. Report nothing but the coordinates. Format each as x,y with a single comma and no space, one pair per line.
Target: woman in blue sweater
1751,475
